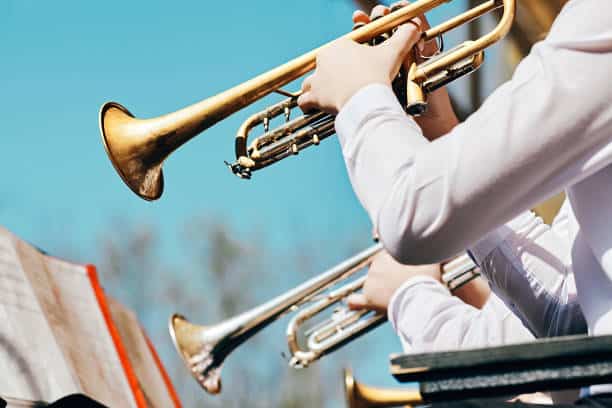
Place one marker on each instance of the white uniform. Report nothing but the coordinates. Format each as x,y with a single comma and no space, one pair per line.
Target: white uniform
547,129
427,318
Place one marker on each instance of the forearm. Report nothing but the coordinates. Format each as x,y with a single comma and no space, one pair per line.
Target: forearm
427,318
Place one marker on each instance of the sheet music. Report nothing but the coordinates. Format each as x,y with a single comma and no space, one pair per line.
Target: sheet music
28,348
65,293
54,340
148,373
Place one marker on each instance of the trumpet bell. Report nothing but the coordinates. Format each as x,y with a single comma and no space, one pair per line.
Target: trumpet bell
196,352
359,395
138,163
183,336
349,389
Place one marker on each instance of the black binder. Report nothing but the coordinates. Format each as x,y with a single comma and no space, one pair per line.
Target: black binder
548,364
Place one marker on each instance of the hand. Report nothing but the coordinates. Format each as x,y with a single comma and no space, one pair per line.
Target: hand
344,67
440,117
385,276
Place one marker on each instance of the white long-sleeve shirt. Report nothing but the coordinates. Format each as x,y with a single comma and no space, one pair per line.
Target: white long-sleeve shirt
427,318
547,129
528,266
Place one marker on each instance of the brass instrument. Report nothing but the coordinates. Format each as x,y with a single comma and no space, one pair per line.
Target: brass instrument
138,147
204,348
362,396
344,324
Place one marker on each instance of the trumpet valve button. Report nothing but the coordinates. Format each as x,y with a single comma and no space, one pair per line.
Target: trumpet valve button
287,114
315,139
295,149
416,108
266,123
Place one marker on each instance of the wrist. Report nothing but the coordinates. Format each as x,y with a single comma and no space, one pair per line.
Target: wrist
474,292
440,119
420,282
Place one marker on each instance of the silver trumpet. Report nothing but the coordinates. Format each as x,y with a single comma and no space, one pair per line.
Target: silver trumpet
204,348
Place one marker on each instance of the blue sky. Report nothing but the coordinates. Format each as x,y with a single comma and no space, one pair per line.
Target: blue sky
59,61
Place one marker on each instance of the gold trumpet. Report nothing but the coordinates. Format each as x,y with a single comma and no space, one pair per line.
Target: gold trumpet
138,147
204,348
363,396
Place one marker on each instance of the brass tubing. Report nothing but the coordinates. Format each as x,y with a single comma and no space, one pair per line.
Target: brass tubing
249,160
352,326
346,325
502,28
282,75
461,19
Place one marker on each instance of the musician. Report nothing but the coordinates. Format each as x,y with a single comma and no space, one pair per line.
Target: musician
427,318
466,317
433,187
434,317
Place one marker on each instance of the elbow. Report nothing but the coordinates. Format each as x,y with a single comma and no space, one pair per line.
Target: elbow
412,243
416,220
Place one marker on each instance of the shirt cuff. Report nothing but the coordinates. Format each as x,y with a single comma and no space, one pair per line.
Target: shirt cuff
369,99
492,240
396,300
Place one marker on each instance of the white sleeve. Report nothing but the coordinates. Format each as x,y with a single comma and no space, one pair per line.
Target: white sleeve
427,318
547,128
534,294
527,264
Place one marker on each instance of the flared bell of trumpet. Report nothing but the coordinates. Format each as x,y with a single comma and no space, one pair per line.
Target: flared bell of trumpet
138,147
131,150
198,346
362,396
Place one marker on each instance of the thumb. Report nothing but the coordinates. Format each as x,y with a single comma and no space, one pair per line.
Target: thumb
397,48
357,301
